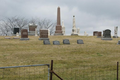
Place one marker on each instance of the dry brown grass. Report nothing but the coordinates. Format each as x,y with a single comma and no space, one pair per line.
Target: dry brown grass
94,51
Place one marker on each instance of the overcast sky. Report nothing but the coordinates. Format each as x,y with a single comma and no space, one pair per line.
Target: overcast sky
90,15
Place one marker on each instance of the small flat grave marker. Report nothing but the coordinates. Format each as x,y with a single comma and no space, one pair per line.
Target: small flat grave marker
46,42
80,41
66,41
56,43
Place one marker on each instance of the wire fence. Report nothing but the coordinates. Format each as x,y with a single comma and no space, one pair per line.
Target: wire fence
27,72
88,72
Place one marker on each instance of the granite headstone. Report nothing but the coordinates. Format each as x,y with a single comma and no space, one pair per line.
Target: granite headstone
24,34
66,41
46,42
79,41
106,35
56,43
43,34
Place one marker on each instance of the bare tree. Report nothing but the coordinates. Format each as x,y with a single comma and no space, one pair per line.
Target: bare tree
47,24
13,22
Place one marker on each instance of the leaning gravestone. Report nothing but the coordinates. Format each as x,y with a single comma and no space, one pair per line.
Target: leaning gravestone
106,35
43,35
118,42
66,41
46,42
56,43
24,34
80,41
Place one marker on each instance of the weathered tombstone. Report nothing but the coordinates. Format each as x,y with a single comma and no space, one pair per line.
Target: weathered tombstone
66,41
95,33
43,34
32,28
56,43
58,26
106,35
99,34
118,42
74,30
46,42
24,34
80,41
115,32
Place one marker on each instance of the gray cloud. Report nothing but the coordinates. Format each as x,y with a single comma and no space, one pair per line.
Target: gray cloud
90,14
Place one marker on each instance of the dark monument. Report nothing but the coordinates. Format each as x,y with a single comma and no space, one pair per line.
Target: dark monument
56,43
43,34
80,41
66,41
32,28
46,42
58,26
15,30
106,35
95,33
24,34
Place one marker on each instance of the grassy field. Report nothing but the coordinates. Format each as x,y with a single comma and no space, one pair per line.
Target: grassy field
94,51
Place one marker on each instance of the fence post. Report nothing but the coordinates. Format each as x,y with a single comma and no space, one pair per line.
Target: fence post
51,69
117,69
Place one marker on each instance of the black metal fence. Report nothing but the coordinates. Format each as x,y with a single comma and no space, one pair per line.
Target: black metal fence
26,72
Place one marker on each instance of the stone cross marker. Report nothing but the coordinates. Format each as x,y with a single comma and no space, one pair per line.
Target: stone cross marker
115,32
106,35
24,34
58,26
43,34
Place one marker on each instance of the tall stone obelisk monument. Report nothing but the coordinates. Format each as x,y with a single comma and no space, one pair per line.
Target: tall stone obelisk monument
58,26
74,30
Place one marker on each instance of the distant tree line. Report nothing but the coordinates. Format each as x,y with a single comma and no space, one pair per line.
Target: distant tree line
7,24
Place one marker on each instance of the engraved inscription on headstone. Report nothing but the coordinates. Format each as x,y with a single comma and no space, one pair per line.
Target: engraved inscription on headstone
43,35
56,43
66,41
80,41
24,34
46,42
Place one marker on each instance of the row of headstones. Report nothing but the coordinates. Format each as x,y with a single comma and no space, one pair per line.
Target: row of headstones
65,41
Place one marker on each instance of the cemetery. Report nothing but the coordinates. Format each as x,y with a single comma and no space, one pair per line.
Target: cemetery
27,47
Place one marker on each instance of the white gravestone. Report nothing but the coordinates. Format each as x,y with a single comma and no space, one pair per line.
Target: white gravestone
74,30
63,28
17,34
48,32
78,31
36,32
115,32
